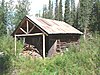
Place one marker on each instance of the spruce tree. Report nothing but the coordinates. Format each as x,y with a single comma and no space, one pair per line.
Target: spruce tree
38,14
56,10
84,15
67,12
76,22
98,15
60,17
94,18
22,9
50,10
45,12
10,16
3,18
72,12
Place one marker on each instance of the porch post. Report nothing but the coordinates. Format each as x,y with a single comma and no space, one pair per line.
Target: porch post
15,45
23,40
43,46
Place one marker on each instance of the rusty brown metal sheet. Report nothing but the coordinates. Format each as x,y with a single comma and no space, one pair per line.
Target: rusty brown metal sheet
54,27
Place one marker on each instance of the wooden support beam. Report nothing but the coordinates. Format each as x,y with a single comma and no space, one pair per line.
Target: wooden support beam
38,27
23,30
31,29
15,45
27,27
23,40
35,34
43,46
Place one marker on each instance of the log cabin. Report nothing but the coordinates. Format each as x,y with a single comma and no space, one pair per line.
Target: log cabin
48,36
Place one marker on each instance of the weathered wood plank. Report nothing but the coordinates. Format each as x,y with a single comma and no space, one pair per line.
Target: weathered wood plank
35,34
43,46
31,29
15,45
23,30
27,26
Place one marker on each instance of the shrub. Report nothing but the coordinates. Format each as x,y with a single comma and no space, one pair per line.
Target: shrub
81,60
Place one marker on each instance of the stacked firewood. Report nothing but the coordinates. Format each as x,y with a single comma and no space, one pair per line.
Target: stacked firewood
30,51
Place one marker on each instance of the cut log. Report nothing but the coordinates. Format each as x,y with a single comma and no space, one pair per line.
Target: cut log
30,51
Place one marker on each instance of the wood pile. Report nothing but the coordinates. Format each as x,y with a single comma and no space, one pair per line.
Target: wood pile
30,51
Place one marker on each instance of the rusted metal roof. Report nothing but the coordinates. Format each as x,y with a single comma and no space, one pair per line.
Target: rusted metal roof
54,26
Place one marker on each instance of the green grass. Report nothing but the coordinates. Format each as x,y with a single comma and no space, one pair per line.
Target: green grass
79,60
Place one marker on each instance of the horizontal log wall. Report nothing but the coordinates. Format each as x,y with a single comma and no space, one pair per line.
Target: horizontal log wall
60,42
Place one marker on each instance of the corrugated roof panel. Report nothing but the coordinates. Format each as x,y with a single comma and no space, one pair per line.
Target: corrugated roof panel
54,27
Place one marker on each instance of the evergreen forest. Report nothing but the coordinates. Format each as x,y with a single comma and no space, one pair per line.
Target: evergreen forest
78,60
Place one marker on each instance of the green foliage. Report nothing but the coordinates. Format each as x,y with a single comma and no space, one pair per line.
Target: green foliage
10,16
67,12
60,17
22,9
78,60
56,10
5,64
45,12
3,13
7,45
85,10
72,13
94,18
50,10
8,57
